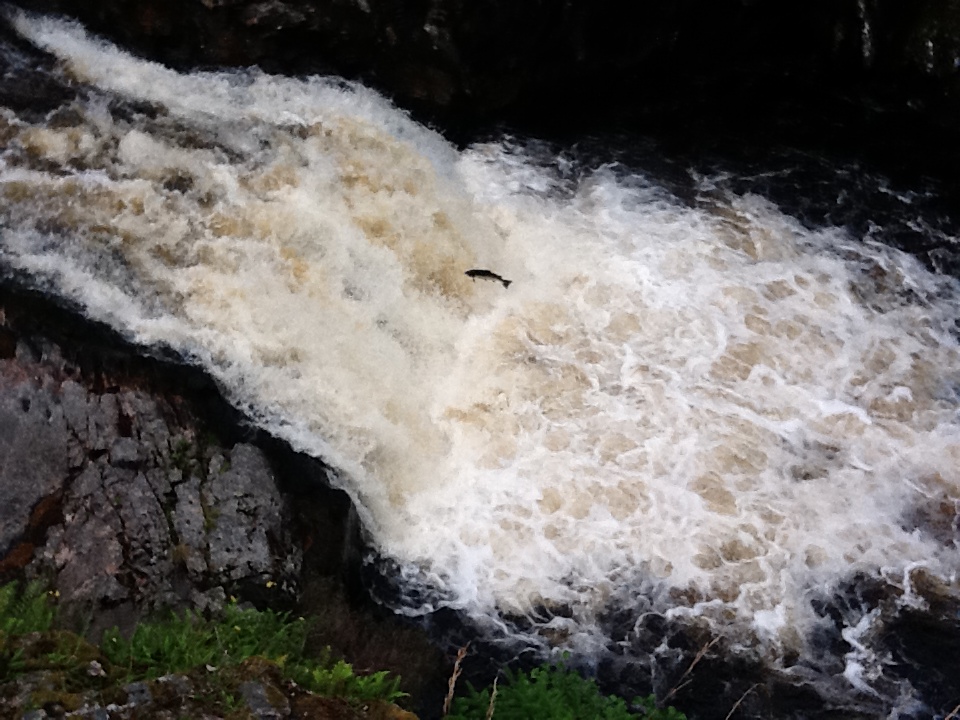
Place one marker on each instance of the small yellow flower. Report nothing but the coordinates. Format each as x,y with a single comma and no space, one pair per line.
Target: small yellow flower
271,583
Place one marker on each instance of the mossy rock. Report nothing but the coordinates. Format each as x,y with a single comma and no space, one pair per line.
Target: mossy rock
260,669
328,708
70,702
54,649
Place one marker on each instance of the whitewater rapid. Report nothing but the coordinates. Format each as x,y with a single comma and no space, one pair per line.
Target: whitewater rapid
708,405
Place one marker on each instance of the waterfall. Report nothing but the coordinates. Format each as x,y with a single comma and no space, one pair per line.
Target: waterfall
703,410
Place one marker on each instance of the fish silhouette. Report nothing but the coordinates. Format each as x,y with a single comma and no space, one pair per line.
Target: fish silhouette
487,275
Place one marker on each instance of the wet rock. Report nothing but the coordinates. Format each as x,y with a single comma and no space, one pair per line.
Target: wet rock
255,695
138,693
109,494
85,554
189,524
125,452
245,517
33,445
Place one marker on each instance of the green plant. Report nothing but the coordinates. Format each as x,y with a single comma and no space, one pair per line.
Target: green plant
25,609
224,699
339,680
188,641
553,692
29,640
244,633
12,662
649,705
178,643
210,516
157,648
184,642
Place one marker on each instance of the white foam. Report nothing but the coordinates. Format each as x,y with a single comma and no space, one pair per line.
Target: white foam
715,404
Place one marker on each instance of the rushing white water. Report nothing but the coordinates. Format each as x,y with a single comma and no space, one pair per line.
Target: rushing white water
713,404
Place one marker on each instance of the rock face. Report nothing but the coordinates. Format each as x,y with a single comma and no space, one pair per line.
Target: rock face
130,487
124,501
33,445
123,506
458,60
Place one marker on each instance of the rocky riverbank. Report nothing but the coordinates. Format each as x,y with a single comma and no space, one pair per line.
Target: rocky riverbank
130,487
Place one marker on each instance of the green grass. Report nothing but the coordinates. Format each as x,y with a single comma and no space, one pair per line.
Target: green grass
182,642
25,610
553,692
188,642
178,644
339,680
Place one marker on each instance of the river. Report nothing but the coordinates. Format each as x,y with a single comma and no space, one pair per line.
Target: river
690,413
